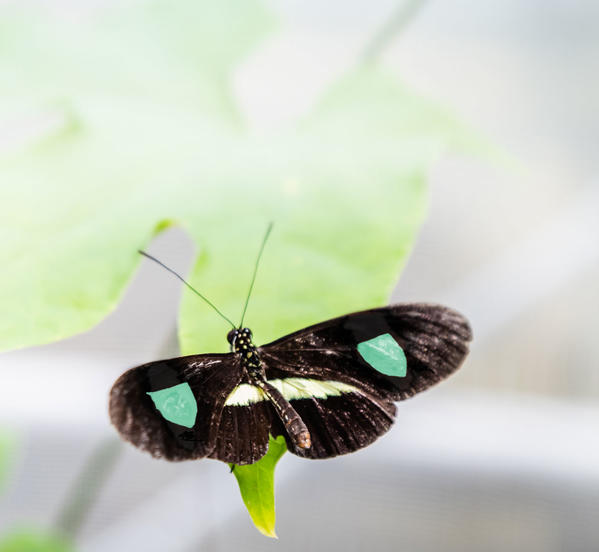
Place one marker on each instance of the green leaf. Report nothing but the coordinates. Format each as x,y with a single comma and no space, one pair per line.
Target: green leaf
33,540
145,138
256,483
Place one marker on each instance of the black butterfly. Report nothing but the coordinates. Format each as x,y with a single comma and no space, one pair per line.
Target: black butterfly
328,389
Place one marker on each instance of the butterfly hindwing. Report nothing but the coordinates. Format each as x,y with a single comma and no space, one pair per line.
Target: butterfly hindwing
242,436
340,424
173,408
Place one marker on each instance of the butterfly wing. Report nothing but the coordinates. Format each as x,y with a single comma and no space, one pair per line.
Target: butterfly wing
398,350
339,422
242,436
177,409
173,408
341,376
382,355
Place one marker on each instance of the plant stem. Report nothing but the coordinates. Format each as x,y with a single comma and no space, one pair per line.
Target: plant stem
86,488
398,21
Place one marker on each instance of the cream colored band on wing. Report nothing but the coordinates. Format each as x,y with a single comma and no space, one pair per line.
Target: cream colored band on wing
245,394
290,388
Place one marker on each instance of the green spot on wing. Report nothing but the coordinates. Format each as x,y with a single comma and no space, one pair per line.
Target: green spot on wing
384,355
176,404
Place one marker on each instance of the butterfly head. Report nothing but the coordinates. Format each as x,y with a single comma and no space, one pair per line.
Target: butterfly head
239,337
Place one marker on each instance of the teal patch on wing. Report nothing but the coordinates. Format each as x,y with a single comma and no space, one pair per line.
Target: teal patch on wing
176,404
291,389
385,355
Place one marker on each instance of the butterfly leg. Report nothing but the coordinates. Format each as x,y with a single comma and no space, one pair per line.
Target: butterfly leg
294,425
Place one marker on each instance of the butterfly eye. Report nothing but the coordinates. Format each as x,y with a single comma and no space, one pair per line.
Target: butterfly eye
232,335
247,333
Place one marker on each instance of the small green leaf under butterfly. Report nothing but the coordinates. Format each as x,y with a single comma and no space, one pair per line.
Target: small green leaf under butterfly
256,483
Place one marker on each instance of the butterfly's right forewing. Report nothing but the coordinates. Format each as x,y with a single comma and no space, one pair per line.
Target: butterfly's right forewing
172,408
433,340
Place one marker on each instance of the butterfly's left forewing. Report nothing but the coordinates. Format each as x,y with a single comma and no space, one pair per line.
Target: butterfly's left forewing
173,408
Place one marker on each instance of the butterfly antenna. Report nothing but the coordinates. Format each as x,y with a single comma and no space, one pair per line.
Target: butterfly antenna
255,272
186,283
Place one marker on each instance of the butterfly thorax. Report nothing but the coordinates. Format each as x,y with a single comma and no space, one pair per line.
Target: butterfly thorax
241,343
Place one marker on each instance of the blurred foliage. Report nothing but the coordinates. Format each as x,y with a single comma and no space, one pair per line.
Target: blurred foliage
141,130
6,449
33,540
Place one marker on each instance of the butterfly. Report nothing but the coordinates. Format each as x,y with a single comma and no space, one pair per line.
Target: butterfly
328,389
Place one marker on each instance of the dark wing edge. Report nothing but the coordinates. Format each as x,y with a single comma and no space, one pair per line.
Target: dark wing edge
436,343
136,418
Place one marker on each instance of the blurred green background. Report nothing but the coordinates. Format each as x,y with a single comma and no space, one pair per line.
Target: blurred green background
326,118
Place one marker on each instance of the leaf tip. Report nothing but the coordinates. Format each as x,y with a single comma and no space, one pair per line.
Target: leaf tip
268,532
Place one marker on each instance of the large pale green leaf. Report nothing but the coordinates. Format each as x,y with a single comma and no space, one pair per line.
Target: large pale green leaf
257,483
147,139
142,131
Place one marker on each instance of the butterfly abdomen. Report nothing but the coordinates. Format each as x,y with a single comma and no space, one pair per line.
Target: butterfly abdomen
294,425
